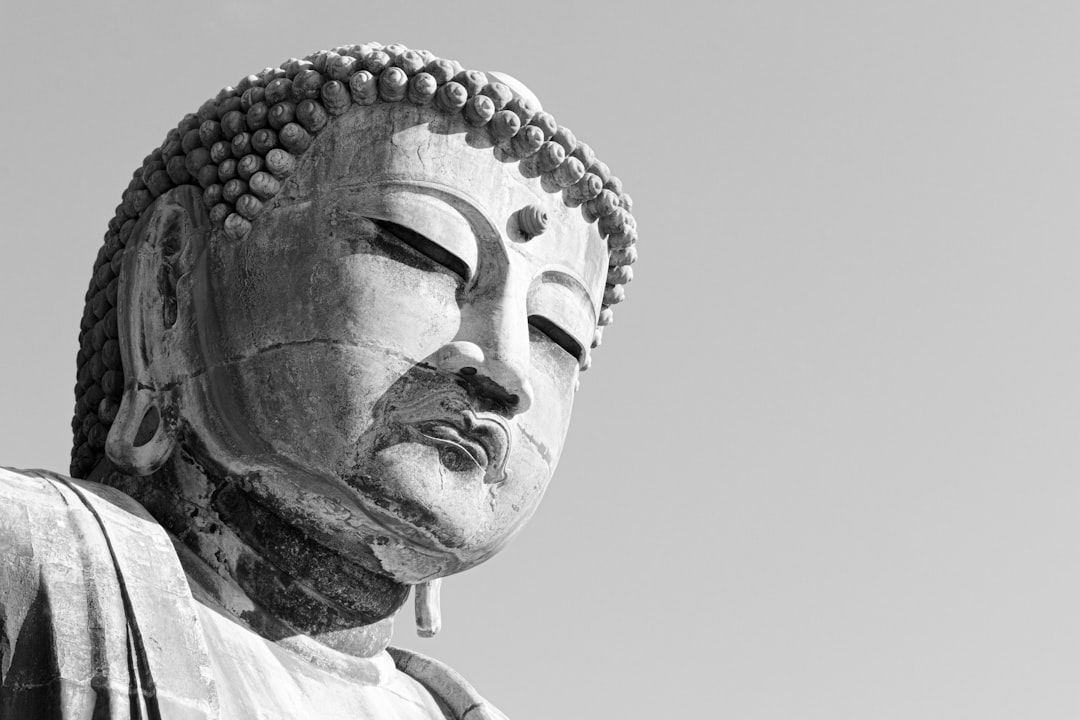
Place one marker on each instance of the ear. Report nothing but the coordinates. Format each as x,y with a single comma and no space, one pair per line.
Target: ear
155,329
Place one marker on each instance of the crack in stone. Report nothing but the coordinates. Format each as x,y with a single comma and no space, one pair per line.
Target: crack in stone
543,449
233,360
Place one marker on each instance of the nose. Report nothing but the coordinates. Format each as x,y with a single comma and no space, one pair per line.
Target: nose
495,374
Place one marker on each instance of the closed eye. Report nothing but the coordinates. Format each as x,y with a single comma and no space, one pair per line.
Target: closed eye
558,336
429,249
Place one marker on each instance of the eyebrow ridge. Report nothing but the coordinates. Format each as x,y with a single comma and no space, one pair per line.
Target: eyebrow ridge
570,281
461,201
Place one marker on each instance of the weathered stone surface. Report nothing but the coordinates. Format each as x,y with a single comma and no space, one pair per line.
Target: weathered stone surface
330,352
100,621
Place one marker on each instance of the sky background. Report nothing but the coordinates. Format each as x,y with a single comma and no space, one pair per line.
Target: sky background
825,463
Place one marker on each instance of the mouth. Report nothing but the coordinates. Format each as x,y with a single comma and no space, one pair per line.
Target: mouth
470,442
458,445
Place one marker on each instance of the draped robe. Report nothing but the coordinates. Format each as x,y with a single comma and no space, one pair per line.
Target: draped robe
98,622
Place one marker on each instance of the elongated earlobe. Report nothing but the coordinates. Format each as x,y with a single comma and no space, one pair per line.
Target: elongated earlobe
428,611
142,436
139,441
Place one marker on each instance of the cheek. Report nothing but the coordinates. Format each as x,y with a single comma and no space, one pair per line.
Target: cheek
304,379
374,300
317,290
540,434
308,402
553,374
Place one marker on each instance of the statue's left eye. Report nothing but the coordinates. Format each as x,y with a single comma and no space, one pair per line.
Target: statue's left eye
428,248
559,307
558,336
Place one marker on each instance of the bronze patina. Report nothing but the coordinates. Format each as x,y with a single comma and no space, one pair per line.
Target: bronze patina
329,354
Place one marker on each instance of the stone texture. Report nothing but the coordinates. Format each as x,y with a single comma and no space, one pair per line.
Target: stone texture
329,352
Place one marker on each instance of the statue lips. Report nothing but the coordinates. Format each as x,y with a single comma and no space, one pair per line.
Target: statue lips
484,440
445,418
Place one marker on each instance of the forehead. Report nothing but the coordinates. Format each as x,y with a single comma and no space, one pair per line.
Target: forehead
417,156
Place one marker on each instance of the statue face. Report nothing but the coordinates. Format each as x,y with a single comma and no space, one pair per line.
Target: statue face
386,355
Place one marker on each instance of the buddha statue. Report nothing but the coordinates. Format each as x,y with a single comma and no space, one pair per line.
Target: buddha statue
328,356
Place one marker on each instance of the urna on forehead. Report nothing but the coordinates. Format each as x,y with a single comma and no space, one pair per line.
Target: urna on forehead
244,145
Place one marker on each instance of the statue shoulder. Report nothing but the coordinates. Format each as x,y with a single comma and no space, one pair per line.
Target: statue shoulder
43,488
91,591
39,506
60,538
447,685
36,523
60,601
29,508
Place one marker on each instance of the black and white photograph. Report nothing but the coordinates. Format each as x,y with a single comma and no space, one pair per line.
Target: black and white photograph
334,385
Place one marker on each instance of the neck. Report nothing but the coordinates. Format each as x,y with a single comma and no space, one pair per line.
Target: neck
253,566
329,650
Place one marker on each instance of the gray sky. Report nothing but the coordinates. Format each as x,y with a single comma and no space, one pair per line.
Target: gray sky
825,463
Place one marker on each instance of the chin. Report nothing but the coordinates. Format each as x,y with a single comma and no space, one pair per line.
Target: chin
440,516
429,502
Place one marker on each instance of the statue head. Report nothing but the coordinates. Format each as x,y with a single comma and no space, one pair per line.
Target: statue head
358,291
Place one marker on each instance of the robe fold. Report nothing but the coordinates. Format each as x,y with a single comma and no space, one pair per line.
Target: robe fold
97,620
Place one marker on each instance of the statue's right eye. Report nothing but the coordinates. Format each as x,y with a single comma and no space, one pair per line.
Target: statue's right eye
428,248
